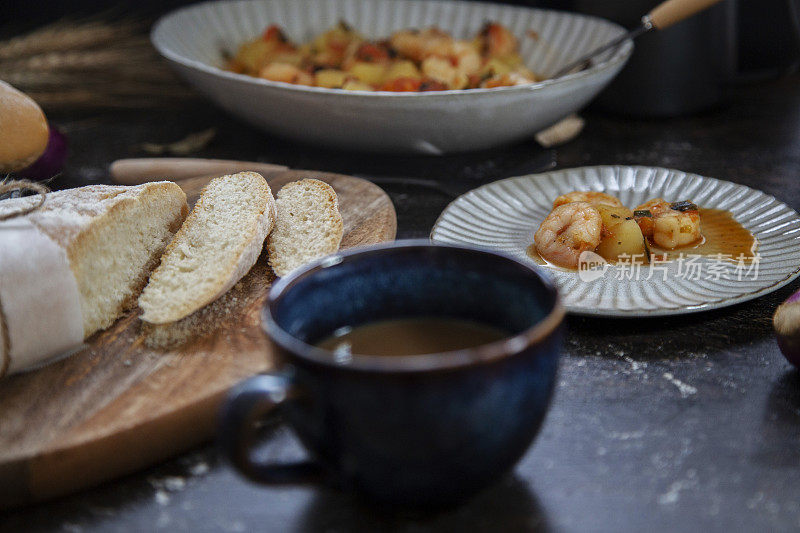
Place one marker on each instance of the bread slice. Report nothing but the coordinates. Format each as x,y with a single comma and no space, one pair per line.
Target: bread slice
219,242
309,225
111,236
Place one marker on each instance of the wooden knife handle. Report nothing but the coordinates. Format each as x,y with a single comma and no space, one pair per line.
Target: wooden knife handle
671,12
136,171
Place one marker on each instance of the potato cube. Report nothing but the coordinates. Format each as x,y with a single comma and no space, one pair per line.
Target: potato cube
355,85
252,55
621,235
370,73
330,78
402,69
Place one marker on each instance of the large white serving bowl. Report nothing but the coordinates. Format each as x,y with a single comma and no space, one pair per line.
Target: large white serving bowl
195,38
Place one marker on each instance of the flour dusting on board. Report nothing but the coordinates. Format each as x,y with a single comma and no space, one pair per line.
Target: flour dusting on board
685,389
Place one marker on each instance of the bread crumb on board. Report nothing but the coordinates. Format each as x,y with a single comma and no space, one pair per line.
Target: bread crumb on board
226,310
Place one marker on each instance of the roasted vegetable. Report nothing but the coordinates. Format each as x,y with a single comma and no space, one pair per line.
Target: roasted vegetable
644,218
402,69
402,85
621,235
369,73
355,85
408,60
683,205
331,78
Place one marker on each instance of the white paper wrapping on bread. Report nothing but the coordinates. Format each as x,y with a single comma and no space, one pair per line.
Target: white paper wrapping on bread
40,301
75,264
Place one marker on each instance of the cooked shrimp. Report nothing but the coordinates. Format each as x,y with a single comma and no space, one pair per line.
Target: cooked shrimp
497,40
568,231
669,224
330,48
465,57
592,197
508,80
286,73
442,70
365,52
419,45
409,60
434,44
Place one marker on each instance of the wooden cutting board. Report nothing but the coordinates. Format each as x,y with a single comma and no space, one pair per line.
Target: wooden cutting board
119,405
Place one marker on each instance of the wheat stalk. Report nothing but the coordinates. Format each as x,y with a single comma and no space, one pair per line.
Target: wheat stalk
80,60
31,81
89,63
65,36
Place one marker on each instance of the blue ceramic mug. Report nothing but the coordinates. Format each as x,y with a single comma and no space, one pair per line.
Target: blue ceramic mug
415,430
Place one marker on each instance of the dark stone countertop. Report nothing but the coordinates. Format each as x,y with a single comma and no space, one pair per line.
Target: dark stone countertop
624,448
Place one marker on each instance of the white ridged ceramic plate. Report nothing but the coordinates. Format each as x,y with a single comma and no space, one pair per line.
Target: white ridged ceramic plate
193,40
505,214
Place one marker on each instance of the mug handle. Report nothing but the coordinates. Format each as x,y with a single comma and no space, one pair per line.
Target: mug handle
260,398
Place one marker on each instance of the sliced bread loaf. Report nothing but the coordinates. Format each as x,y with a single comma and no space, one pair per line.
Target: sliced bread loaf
75,264
219,242
309,225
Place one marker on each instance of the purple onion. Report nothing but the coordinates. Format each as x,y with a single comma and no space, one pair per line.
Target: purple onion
793,298
786,322
51,161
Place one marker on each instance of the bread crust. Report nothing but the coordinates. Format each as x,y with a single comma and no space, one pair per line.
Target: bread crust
73,218
5,345
81,242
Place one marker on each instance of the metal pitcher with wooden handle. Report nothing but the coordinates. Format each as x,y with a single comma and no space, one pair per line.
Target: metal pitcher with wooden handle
661,17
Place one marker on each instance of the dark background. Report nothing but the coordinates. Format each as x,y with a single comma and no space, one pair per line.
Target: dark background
766,31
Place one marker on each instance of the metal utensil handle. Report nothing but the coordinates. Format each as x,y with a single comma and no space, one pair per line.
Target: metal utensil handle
584,61
671,12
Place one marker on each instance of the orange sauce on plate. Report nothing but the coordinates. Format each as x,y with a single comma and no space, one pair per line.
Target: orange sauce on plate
533,253
722,237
